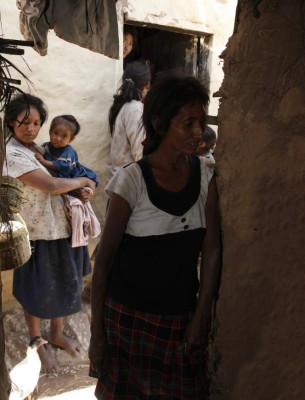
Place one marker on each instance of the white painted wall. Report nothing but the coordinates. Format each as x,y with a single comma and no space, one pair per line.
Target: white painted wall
74,80
71,80
198,16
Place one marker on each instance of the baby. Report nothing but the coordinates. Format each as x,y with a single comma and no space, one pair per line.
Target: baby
61,158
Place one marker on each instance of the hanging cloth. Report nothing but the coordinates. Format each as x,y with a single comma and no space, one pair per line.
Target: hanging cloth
91,24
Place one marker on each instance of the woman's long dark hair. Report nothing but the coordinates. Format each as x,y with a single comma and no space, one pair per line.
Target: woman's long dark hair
20,103
163,102
135,77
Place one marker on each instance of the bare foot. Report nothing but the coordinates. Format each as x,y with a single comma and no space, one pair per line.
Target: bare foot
48,362
64,342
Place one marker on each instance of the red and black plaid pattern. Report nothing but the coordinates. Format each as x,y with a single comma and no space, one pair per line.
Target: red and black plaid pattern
145,360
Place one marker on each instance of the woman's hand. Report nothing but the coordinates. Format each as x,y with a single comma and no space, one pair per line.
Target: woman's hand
84,194
198,329
91,184
196,334
98,351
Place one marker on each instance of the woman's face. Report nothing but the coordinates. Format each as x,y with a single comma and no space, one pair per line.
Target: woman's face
186,128
27,132
127,44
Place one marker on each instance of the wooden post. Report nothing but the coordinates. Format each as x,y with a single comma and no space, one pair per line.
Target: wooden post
4,378
7,46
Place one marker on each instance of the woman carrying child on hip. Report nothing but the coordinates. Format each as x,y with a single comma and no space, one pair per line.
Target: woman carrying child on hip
48,286
61,158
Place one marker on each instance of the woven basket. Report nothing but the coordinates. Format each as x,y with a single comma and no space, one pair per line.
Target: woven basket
15,248
11,193
13,182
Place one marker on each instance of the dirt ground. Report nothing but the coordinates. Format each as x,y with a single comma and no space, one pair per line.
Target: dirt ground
72,380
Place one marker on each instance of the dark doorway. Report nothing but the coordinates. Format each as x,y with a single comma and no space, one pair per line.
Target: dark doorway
170,51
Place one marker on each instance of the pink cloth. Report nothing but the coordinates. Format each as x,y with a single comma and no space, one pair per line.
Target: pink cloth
84,222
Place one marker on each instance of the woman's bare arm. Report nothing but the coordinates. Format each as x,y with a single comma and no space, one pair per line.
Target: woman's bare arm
198,329
117,217
48,184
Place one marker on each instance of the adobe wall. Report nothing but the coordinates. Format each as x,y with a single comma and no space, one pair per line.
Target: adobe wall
260,154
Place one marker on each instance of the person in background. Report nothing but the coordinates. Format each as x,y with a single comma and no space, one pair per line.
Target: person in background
125,116
48,286
207,146
130,45
60,157
151,313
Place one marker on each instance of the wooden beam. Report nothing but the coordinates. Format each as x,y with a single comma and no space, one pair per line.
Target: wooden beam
12,42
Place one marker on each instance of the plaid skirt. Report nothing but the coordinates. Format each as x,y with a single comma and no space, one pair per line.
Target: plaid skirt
145,360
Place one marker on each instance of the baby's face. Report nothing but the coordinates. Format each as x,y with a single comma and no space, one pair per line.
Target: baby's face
61,135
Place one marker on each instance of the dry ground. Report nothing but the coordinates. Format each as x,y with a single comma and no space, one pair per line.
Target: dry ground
72,382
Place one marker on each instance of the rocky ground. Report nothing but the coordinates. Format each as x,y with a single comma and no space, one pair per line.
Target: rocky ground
73,374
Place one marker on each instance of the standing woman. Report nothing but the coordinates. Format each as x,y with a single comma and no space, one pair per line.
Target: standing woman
151,313
48,286
125,117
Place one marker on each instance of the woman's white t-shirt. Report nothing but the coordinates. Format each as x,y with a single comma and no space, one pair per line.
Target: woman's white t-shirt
44,214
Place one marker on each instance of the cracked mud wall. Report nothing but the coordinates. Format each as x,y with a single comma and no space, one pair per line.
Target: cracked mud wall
260,154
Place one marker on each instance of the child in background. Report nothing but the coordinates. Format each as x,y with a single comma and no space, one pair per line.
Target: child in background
61,158
207,146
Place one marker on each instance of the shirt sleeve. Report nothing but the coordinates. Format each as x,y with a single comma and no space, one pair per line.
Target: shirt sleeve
19,163
127,183
134,131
